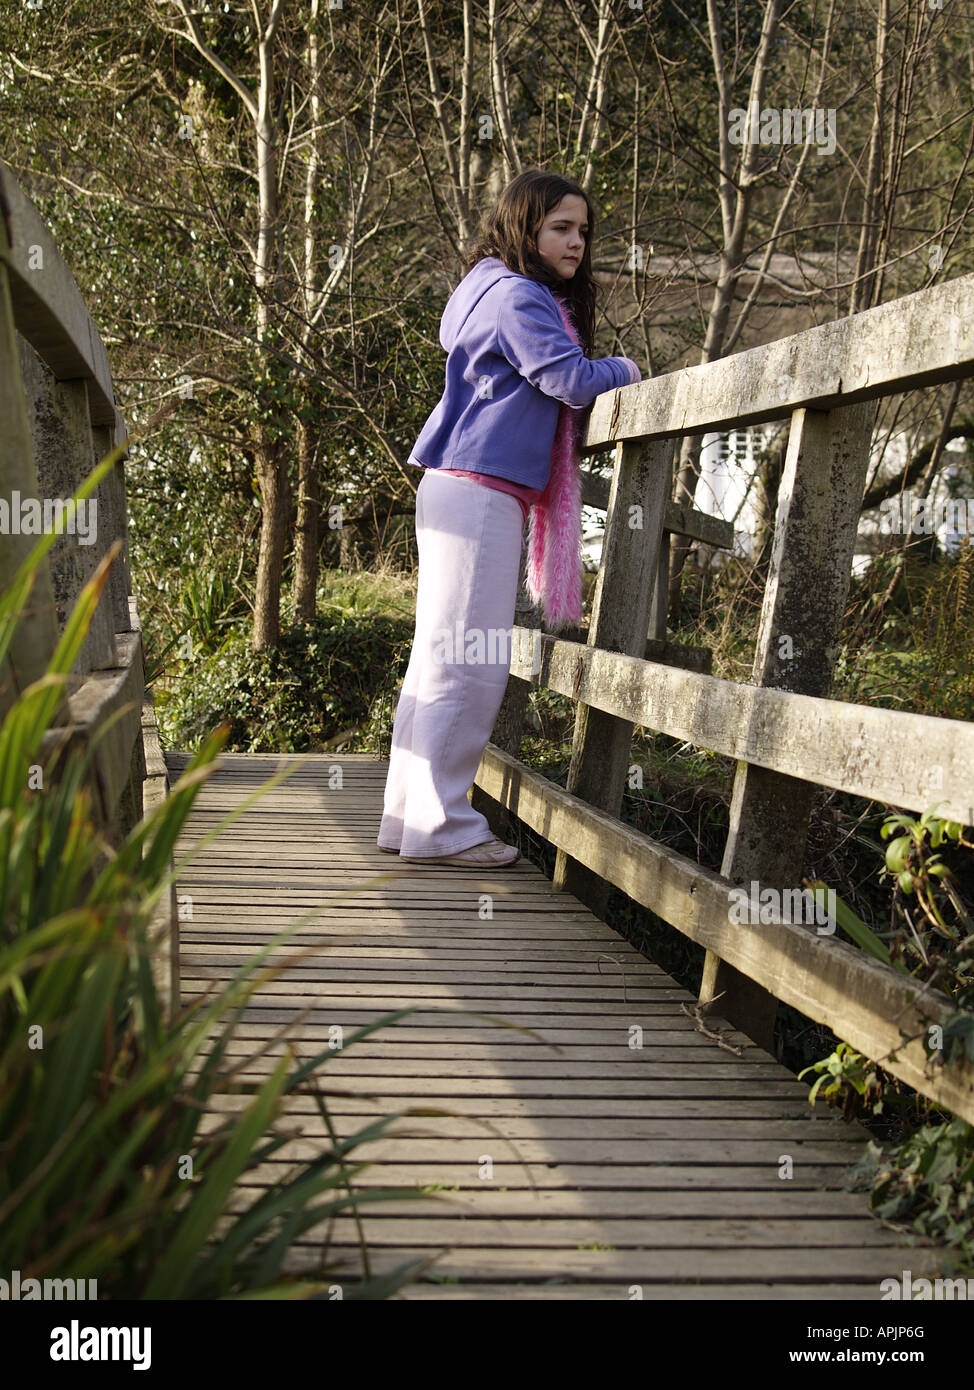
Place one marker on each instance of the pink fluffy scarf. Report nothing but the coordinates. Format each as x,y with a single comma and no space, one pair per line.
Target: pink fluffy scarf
553,574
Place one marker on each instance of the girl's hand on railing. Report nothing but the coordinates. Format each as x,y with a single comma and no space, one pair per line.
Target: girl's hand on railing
634,373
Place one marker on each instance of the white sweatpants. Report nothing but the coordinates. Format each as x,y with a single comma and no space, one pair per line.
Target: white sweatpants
469,539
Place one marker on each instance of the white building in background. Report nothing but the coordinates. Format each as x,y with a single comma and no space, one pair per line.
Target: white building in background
728,463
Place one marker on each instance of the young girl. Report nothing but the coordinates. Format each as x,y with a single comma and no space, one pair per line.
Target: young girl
502,439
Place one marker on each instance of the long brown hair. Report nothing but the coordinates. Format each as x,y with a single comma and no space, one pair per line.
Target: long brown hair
510,231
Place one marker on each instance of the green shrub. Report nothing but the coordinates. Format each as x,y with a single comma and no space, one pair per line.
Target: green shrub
928,1182
927,1178
318,683
107,1173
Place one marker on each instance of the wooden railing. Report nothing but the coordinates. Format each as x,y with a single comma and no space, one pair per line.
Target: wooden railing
786,736
59,419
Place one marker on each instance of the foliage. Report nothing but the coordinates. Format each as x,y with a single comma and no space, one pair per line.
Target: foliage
374,735
719,609
918,655
108,1169
908,858
928,1179
857,931
937,949
928,1182
317,684
847,1078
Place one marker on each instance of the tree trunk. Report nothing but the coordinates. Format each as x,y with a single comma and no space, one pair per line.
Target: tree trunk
275,496
272,473
768,482
736,192
687,473
862,293
306,541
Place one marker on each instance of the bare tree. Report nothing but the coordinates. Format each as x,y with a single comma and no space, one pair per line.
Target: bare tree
269,453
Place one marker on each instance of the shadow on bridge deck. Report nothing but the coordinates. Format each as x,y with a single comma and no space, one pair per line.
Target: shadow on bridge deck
575,1164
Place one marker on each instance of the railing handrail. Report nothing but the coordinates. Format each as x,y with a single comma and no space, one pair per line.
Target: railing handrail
49,310
866,1002
781,730
859,358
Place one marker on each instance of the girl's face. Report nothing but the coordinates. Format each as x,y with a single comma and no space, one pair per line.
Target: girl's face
561,240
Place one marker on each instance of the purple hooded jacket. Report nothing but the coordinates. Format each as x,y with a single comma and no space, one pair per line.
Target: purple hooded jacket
509,364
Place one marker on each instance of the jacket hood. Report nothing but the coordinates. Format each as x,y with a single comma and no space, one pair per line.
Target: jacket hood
468,295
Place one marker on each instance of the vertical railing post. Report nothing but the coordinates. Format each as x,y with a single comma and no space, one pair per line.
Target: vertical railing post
36,634
509,724
819,501
112,502
601,747
660,608
64,454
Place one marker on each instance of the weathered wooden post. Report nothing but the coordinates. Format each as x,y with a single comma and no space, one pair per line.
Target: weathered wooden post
509,724
36,635
801,621
638,497
657,620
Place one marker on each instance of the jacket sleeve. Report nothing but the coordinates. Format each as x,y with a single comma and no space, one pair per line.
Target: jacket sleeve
532,337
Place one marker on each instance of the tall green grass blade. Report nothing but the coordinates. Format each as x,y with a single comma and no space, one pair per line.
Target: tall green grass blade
174,1271
856,929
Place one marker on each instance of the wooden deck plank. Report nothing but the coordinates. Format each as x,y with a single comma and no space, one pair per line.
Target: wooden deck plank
605,1293
588,1107
420,975
501,997
594,966
365,1049
633,1233
662,1032
581,1152
617,1204
665,1159
424,1027
797,1263
707,1180
619,1138
341,1067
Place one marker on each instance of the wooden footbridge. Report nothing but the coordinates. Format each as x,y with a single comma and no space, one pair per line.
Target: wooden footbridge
621,1139
602,1148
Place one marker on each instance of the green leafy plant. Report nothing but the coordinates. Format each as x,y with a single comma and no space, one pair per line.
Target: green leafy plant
908,858
908,645
107,1170
928,1182
847,1078
854,927
935,943
296,697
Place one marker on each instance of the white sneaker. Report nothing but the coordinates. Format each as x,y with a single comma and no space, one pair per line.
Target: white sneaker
491,854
